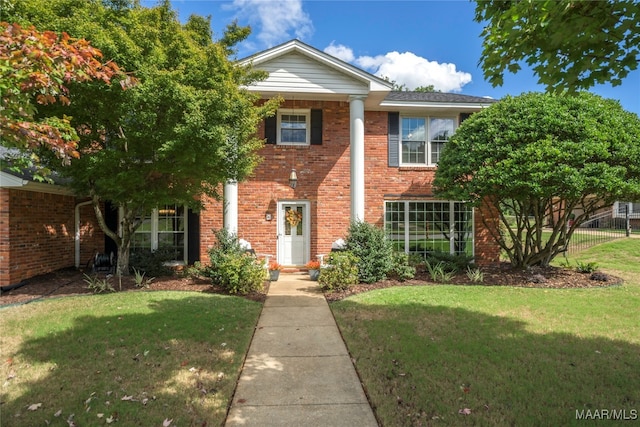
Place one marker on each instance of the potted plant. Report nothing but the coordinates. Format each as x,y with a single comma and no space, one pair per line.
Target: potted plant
314,269
274,271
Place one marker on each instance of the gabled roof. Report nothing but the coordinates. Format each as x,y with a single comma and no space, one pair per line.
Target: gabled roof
297,70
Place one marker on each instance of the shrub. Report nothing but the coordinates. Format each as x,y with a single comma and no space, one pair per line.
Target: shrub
586,267
454,263
373,250
475,275
152,262
438,272
232,268
97,285
402,268
341,273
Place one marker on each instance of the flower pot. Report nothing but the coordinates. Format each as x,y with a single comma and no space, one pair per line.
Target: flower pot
314,274
274,275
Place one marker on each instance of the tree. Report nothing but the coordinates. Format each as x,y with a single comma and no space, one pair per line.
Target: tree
536,159
571,45
185,128
35,68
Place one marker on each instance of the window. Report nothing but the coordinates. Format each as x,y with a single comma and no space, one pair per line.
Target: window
621,209
293,127
165,229
423,139
423,227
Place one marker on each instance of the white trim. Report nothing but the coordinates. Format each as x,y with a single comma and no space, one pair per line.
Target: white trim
407,231
306,112
374,83
13,182
427,138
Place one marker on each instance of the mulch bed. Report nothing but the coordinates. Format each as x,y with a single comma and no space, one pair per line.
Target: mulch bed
71,282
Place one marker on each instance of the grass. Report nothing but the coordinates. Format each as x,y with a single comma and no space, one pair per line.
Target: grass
137,358
507,356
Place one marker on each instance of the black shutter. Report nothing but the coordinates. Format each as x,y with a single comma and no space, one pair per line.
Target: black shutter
393,140
193,237
316,127
463,117
270,124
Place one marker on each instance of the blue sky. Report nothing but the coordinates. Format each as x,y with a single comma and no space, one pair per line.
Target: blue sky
416,43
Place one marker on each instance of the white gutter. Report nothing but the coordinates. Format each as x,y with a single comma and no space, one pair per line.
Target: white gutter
77,230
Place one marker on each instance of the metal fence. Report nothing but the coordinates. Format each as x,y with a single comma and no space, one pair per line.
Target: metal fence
599,229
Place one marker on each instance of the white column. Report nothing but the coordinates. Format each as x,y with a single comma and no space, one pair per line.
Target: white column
230,214
356,111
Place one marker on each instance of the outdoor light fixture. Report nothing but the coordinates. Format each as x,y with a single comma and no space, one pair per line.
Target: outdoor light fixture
293,179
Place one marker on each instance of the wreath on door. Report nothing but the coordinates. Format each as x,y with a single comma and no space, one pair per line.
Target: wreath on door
293,217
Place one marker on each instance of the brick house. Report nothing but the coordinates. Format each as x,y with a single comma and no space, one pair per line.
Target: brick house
343,146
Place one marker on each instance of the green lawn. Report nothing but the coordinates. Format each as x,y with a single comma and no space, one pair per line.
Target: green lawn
507,356
137,358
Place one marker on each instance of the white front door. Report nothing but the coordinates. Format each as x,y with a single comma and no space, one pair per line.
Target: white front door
293,233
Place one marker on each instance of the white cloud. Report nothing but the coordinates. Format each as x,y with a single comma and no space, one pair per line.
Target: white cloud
413,71
340,51
275,21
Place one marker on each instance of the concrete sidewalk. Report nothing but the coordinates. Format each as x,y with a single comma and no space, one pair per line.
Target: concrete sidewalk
298,371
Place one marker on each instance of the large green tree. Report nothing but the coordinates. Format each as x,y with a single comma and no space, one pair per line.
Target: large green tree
183,129
535,159
571,45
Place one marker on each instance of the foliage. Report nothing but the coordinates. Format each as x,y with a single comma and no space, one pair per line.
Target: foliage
586,267
475,275
140,281
312,265
533,160
98,285
451,262
187,126
402,268
232,268
543,34
152,262
274,266
36,68
341,272
438,271
372,248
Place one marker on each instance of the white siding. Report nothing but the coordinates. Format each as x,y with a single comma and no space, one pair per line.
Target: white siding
297,73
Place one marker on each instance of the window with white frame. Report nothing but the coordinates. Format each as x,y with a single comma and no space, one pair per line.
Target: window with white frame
164,228
293,127
622,208
423,139
423,227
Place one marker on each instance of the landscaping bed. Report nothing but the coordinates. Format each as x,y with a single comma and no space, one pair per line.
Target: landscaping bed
500,275
71,282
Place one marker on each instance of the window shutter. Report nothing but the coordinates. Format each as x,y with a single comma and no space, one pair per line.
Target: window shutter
463,117
193,237
393,140
270,124
316,127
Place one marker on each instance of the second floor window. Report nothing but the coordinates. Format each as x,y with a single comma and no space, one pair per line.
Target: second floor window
423,139
293,127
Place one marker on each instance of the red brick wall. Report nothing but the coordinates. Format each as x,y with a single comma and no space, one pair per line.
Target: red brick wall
37,234
324,181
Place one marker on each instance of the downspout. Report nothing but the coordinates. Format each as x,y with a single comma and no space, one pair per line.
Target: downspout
77,230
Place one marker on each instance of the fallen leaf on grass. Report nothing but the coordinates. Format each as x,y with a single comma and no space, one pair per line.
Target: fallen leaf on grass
465,411
34,406
130,398
58,413
167,422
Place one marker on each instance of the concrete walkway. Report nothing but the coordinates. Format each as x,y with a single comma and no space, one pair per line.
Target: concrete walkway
298,371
